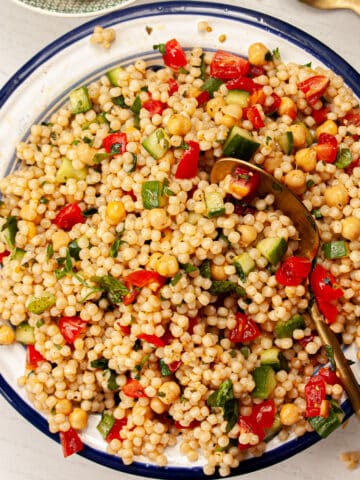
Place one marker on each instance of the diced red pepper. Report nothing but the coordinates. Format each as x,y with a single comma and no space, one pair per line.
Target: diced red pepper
264,413
174,56
193,424
244,183
4,254
134,389
245,331
126,329
203,97
257,97
33,357
314,87
71,442
329,376
326,148
115,143
153,339
226,65
115,432
188,165
253,115
131,296
173,86
71,328
154,107
256,71
320,115
270,109
69,216
328,309
323,284
315,393
248,424
354,164
243,83
173,366
352,118
293,271
145,278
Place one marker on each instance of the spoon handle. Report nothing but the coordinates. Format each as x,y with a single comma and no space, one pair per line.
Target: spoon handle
345,373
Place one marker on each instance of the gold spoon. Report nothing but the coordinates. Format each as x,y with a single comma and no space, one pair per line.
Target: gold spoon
290,204
330,4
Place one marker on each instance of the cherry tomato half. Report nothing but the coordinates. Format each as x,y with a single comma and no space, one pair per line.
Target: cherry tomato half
227,66
293,271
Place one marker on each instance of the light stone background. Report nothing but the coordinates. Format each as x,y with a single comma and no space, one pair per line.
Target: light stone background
27,454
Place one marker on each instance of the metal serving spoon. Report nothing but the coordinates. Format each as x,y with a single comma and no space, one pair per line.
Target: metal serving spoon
289,203
330,4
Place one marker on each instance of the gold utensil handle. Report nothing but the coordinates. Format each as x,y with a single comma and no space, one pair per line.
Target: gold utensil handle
345,373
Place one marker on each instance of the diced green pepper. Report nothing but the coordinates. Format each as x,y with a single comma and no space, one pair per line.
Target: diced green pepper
336,249
285,329
265,381
151,193
106,423
38,305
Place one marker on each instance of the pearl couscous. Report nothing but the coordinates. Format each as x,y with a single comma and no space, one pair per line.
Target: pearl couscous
151,297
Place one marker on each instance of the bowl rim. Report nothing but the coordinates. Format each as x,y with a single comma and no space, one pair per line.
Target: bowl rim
262,21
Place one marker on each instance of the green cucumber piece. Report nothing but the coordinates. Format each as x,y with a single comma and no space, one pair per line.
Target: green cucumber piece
240,97
113,76
214,204
244,264
286,142
240,144
285,329
274,358
151,193
157,143
325,426
79,100
337,249
265,381
66,170
274,429
106,423
343,158
24,333
38,305
273,249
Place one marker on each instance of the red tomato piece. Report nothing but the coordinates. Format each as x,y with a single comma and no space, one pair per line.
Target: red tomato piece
293,271
173,366
244,183
352,118
3,255
328,309
354,164
188,165
115,143
144,278
153,339
329,376
174,56
323,284
315,393
71,442
131,296
226,66
173,86
33,357
256,71
126,329
253,115
320,115
69,216
314,87
115,432
245,331
154,107
264,414
247,424
71,328
270,109
193,424
167,338
243,83
134,389
203,97
326,149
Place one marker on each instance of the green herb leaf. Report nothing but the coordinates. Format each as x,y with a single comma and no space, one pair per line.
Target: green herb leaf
89,212
221,287
88,140
140,365
10,229
224,393
268,140
160,47
135,108
119,101
39,323
330,354
176,279
205,270
101,363
188,268
161,394
317,214
44,200
114,288
211,85
133,164
231,413
245,351
307,65
111,383
268,56
114,249
74,250
164,369
309,184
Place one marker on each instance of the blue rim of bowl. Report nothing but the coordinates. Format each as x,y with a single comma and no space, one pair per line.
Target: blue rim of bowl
243,15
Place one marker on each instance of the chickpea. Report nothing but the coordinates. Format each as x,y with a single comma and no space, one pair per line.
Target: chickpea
78,419
296,181
167,265
153,259
306,159
351,228
299,134
7,335
115,212
60,239
158,218
233,110
272,163
218,272
228,121
179,125
157,405
257,53
289,414
287,107
329,126
248,234
64,406
169,392
214,105
336,196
